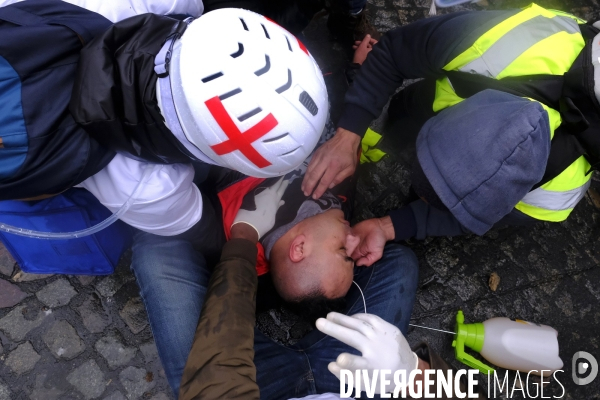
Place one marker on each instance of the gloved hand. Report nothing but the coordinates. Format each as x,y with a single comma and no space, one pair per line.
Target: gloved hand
381,344
267,203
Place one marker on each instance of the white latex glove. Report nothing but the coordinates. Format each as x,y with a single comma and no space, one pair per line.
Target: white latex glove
381,344
267,203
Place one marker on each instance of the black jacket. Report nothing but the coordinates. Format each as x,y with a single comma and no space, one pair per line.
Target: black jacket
114,95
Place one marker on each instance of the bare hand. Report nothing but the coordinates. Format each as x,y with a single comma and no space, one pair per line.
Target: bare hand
362,48
374,234
333,162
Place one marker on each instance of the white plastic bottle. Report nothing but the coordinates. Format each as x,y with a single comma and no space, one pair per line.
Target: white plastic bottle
517,345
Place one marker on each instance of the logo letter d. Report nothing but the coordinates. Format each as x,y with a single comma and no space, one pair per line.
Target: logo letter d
583,367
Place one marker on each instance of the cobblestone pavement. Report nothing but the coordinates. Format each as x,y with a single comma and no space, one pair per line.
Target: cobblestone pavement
81,337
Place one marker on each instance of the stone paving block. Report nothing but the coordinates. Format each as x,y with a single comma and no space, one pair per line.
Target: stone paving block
88,379
57,294
63,341
16,326
85,279
149,351
7,262
93,314
136,381
134,315
110,285
115,396
27,277
594,288
467,287
114,352
22,359
160,396
4,391
10,294
44,390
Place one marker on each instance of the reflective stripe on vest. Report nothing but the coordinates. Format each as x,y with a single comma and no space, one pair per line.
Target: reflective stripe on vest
534,41
552,203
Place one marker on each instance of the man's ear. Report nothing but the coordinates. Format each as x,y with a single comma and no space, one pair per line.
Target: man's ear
298,248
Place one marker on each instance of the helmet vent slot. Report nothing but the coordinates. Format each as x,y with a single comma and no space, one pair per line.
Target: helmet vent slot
266,68
244,24
239,52
266,32
229,94
289,44
287,85
249,114
275,138
289,152
308,103
212,77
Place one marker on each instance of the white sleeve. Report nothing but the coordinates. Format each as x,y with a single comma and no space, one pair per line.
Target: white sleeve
118,10
168,204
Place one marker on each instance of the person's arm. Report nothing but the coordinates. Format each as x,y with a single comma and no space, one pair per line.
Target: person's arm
417,50
220,364
383,347
361,49
417,220
420,220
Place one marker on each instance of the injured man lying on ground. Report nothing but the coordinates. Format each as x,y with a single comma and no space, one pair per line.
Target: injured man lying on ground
308,251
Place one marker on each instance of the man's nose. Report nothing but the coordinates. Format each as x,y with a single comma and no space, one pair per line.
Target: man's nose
352,242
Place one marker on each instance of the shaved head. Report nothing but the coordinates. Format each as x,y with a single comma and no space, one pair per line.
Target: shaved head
312,258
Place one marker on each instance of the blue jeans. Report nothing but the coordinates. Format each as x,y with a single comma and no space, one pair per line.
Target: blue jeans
389,287
173,279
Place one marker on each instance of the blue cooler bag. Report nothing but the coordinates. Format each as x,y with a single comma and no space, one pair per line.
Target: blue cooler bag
72,210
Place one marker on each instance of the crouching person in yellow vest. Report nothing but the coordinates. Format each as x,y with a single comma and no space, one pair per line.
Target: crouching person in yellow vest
507,121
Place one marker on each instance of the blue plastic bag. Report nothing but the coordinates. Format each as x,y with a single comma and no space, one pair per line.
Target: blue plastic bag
72,210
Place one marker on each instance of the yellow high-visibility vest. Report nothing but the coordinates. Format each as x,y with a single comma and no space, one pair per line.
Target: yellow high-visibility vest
533,41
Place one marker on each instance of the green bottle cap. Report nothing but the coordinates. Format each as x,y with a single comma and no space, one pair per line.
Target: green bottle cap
472,336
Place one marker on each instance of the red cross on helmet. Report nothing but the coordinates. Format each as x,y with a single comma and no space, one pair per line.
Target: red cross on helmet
247,93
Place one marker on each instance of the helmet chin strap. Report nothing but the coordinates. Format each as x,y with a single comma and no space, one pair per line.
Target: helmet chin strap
164,94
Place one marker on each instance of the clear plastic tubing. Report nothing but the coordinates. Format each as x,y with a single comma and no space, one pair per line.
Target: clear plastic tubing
87,231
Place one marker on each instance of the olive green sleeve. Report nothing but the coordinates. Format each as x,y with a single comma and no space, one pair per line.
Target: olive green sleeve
220,364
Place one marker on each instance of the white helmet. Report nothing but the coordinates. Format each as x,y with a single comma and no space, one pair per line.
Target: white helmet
247,93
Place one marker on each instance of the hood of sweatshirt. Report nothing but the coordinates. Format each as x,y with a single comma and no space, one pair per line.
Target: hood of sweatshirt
483,155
